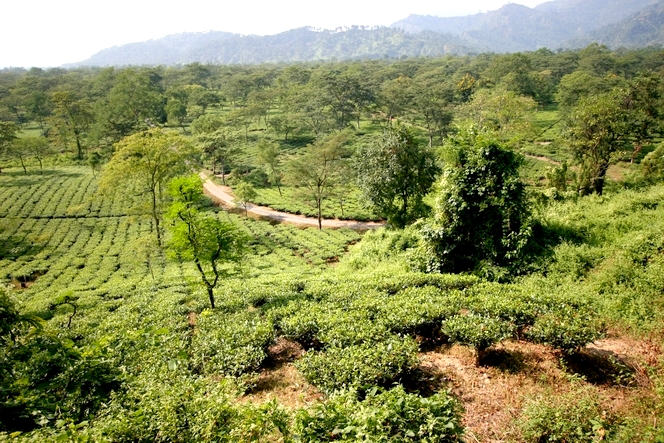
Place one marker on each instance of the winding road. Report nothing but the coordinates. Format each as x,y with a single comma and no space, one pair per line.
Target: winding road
223,195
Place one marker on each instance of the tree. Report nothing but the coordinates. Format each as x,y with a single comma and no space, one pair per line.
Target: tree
598,129
143,164
220,147
39,148
642,101
481,211
200,237
21,149
244,194
268,156
94,161
8,132
316,172
71,119
506,114
394,174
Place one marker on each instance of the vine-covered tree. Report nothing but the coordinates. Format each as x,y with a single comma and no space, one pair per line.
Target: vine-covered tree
394,174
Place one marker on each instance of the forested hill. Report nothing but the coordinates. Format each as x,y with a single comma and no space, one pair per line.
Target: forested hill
517,28
302,44
512,28
645,28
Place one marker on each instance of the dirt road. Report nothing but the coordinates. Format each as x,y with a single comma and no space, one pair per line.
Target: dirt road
223,195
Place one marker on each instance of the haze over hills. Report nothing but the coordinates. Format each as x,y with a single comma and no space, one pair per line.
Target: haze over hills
645,28
519,28
555,24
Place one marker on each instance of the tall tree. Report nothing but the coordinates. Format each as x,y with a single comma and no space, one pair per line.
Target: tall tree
315,173
8,132
268,157
200,237
598,128
394,174
143,164
219,147
70,121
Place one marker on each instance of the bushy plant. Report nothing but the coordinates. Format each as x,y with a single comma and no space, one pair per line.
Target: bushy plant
230,344
360,366
575,417
477,331
568,329
383,416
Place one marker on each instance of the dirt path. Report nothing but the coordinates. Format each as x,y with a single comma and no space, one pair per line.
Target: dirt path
224,195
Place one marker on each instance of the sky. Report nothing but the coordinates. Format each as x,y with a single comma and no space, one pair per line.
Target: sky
48,33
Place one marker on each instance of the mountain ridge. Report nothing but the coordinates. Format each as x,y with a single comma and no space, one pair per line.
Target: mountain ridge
558,24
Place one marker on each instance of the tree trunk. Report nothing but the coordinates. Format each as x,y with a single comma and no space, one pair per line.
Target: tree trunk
598,182
223,172
320,217
25,170
155,216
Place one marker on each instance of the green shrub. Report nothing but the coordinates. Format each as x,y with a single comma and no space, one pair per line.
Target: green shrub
567,330
572,418
389,416
230,344
360,366
477,331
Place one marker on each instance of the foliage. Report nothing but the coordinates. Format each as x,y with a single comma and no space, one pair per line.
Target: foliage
199,237
567,330
481,212
394,174
244,194
360,366
477,331
382,416
574,417
143,164
317,171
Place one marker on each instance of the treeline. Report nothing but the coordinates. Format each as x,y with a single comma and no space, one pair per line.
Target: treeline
83,109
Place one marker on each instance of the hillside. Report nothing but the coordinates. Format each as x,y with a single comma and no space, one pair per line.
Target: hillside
303,44
645,28
517,28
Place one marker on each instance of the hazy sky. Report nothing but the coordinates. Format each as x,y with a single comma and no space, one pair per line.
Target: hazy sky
53,32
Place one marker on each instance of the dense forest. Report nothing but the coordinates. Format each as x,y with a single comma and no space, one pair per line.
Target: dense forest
514,291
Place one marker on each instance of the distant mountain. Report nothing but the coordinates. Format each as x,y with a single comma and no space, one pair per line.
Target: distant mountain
645,28
303,44
170,50
555,24
519,28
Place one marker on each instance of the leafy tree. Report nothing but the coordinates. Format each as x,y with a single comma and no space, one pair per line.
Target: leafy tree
21,149
316,172
94,161
284,124
481,212
506,114
598,128
200,237
134,103
642,101
143,164
71,119
220,147
268,156
244,194
394,174
8,132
